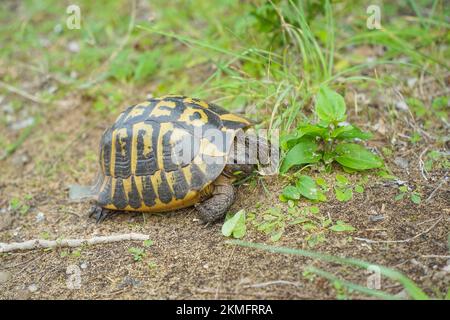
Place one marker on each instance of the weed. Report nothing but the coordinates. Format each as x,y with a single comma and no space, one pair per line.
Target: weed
328,140
234,225
138,253
404,191
20,206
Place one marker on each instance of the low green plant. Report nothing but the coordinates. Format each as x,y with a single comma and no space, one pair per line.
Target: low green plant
20,206
274,223
435,160
138,253
304,186
329,140
234,225
404,191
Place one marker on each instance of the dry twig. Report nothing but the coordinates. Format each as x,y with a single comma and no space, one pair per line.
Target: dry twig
400,241
40,243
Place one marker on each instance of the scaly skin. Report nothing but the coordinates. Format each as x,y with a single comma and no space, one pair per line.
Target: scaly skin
218,204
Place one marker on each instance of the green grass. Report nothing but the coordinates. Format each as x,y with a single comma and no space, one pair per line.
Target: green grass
411,288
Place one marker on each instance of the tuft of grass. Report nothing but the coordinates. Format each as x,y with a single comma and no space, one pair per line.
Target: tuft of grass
411,288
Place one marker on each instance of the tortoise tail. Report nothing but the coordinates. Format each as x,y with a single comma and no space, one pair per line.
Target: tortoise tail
82,193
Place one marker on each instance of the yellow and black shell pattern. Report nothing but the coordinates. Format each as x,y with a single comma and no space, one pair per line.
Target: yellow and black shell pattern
139,170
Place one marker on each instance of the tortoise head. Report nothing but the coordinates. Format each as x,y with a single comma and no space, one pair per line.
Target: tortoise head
250,151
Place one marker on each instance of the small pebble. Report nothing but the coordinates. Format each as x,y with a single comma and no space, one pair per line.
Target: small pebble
73,46
40,217
83,265
20,159
4,276
129,281
401,162
401,105
19,125
411,82
376,218
57,28
44,42
32,288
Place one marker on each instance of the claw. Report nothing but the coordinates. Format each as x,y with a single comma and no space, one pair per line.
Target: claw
101,214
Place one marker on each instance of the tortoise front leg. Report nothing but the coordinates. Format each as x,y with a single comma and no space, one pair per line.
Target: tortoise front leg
217,206
101,214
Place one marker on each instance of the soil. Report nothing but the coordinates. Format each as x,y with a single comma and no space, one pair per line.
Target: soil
189,259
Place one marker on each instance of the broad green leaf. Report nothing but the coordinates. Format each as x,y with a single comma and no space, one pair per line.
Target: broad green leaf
307,187
341,226
341,179
299,220
314,209
148,243
359,189
341,130
311,131
303,130
330,106
235,226
291,192
328,157
350,132
415,197
302,153
309,226
399,197
356,157
276,236
343,194
322,183
287,141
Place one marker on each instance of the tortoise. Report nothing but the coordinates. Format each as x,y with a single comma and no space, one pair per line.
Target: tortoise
170,153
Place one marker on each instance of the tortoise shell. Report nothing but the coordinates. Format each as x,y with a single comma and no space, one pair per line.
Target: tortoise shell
140,169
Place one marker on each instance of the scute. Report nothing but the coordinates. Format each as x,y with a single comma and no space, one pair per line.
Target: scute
142,159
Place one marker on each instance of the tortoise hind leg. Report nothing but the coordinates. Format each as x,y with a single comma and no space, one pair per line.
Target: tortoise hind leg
217,206
101,214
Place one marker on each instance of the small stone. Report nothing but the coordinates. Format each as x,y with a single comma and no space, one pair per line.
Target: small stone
8,108
52,89
411,82
19,125
83,265
4,276
73,46
376,218
401,162
44,42
58,28
129,281
401,105
20,159
206,266
402,295
40,217
33,288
